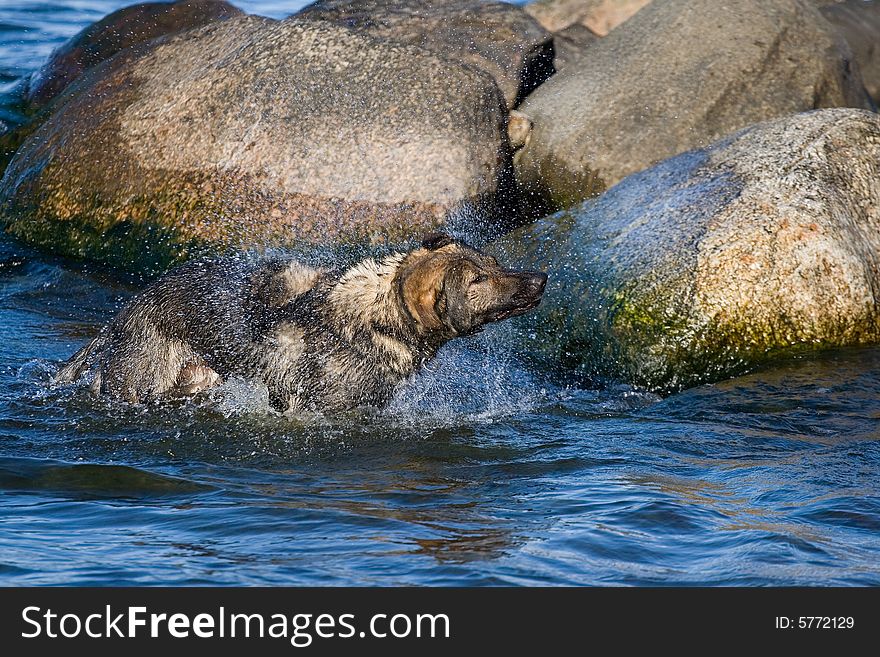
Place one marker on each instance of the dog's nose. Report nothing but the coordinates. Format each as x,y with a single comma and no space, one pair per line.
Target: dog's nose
537,281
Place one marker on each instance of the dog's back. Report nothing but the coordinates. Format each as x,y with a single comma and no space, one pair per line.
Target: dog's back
197,324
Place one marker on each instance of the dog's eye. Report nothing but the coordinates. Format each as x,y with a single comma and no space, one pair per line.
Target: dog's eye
482,278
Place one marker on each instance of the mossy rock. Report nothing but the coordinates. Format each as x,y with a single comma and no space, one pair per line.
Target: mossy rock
249,133
761,246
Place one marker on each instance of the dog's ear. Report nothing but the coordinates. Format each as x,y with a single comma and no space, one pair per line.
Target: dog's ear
436,240
420,286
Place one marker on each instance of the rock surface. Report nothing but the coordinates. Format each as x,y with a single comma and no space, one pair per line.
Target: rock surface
496,37
858,21
577,24
600,16
571,46
122,29
763,245
250,132
676,76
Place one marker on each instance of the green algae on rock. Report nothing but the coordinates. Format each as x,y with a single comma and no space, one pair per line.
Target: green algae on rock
252,132
763,245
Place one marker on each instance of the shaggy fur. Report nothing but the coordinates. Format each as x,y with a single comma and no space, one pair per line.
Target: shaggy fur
319,340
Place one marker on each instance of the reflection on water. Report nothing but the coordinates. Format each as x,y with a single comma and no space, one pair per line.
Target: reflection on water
90,480
481,471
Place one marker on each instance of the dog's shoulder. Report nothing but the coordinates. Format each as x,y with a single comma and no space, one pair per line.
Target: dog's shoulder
361,282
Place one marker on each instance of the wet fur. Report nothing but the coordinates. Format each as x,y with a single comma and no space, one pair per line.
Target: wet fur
320,340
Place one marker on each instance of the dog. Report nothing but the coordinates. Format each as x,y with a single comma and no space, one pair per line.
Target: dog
320,340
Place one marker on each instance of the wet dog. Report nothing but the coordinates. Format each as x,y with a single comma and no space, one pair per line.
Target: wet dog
319,340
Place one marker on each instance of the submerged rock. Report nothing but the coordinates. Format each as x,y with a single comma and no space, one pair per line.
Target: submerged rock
676,76
251,132
117,31
858,21
764,245
496,37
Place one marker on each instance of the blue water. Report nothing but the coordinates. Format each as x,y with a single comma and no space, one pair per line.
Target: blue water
481,472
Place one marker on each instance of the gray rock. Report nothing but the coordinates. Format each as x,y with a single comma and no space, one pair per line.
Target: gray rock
496,37
676,76
253,132
764,245
571,45
117,31
858,21
577,24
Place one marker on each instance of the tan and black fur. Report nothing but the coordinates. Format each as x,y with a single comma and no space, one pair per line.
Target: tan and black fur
319,340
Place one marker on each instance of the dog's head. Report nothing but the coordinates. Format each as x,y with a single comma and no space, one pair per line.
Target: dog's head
451,289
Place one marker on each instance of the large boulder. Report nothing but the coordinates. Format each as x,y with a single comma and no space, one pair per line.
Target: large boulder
117,31
676,76
764,245
250,132
496,37
858,21
600,16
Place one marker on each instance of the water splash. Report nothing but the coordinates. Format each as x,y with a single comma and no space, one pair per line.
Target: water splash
478,381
